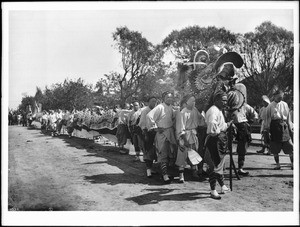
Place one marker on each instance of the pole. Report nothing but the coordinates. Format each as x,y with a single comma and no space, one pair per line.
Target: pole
231,165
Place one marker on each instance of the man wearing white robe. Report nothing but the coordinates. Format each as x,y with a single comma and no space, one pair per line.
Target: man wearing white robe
187,122
161,119
148,137
278,123
216,143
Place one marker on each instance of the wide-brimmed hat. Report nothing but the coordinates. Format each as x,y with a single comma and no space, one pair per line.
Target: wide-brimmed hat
266,99
229,57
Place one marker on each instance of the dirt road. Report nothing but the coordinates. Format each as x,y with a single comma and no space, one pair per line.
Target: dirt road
72,174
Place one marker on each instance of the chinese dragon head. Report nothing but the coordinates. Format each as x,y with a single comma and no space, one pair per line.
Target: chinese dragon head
204,79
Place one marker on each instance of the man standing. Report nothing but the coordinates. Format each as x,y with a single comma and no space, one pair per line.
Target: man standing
148,137
122,129
161,120
135,130
242,118
277,122
187,122
216,143
264,132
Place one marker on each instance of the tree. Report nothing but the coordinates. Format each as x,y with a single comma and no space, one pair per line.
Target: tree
38,95
185,43
25,103
137,57
268,56
68,95
107,90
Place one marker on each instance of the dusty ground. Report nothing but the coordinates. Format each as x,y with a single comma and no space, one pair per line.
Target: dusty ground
63,174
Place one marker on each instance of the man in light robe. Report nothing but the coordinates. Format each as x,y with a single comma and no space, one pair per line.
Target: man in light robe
122,133
277,122
52,122
161,119
148,137
263,129
187,122
216,143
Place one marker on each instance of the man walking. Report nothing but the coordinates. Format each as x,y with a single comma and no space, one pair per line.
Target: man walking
264,132
148,137
161,119
135,130
277,122
242,118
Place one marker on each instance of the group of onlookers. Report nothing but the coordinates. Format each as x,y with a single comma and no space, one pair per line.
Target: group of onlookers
19,118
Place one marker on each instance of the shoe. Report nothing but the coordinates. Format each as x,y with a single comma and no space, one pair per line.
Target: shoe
123,152
260,151
268,153
277,168
181,178
218,197
149,175
243,173
136,159
141,158
166,179
224,189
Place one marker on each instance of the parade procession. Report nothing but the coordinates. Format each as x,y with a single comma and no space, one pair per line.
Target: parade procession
195,134
153,110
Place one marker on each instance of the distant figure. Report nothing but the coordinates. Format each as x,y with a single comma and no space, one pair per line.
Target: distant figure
263,129
29,118
122,133
10,118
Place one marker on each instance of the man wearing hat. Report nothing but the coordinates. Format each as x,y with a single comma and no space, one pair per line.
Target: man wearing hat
263,129
277,118
216,143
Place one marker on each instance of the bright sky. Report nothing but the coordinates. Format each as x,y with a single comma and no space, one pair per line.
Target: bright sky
48,46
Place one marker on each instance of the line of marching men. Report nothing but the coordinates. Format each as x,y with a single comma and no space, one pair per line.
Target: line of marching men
177,137
181,137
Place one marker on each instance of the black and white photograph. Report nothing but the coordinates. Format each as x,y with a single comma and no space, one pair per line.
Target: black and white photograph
150,113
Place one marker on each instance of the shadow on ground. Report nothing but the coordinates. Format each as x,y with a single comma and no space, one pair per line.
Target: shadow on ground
160,194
